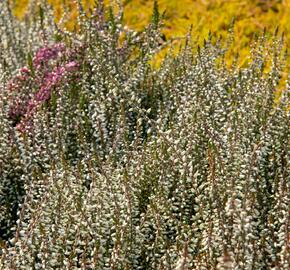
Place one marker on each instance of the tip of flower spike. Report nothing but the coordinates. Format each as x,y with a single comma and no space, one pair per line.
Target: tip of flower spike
25,70
71,66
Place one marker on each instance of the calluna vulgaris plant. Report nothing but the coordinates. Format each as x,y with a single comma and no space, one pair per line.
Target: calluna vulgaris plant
107,163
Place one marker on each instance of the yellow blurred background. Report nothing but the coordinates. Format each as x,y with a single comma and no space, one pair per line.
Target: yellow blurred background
251,17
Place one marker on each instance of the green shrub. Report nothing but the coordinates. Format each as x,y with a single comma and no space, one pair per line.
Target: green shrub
107,163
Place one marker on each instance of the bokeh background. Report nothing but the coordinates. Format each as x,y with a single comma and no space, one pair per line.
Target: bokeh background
251,17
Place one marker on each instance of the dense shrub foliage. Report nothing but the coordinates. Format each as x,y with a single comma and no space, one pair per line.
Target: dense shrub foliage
106,163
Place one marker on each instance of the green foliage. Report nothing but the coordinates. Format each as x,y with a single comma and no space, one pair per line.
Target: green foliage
155,15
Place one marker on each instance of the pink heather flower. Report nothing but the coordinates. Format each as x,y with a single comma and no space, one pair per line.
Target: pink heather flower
22,108
50,80
45,54
25,70
17,82
21,127
12,85
25,125
71,66
18,109
20,77
31,105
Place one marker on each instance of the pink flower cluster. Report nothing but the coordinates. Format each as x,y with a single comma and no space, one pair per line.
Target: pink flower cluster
47,77
50,81
18,107
45,54
18,80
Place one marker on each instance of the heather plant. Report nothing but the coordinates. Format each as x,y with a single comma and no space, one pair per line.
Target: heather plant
107,163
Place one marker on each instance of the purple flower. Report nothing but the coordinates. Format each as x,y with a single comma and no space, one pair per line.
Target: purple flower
47,77
71,66
17,82
50,81
17,110
45,54
25,70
